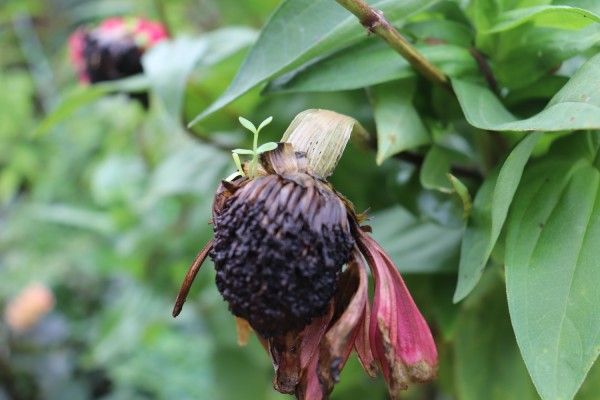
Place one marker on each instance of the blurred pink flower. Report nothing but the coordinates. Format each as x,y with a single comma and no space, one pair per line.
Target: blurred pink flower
114,48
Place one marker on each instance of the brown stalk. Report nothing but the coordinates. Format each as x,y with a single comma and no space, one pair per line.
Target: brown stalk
189,278
376,23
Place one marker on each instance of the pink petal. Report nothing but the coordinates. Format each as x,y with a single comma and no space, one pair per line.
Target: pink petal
309,387
400,338
350,301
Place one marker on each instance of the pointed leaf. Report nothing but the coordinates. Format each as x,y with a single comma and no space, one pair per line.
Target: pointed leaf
575,106
562,17
265,123
266,147
553,270
300,30
370,63
247,124
242,151
490,210
399,126
463,193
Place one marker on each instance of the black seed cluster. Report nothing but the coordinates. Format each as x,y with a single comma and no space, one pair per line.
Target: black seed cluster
108,59
273,268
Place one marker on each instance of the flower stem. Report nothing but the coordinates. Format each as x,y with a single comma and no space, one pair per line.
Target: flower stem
376,23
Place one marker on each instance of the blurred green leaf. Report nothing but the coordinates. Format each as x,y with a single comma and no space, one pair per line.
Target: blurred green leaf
563,17
552,269
169,64
367,64
84,95
298,31
488,364
399,126
575,106
415,246
442,30
489,213
526,54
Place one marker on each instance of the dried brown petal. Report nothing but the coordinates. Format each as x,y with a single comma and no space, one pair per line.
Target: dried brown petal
339,340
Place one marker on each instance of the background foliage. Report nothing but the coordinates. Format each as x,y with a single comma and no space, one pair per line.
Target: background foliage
106,203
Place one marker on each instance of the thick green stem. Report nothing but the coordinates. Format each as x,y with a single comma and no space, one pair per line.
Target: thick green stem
375,22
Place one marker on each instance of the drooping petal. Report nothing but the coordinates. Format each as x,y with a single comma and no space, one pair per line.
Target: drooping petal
350,302
293,352
243,330
309,387
400,338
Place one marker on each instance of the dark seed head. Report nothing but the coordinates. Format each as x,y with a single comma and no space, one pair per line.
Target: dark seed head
280,243
109,57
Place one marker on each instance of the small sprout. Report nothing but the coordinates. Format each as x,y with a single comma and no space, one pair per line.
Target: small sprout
243,152
256,150
265,123
238,163
248,125
266,147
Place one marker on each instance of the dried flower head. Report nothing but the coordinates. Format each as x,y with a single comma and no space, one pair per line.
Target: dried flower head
282,238
113,50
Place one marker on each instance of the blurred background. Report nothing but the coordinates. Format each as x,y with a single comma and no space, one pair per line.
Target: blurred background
103,205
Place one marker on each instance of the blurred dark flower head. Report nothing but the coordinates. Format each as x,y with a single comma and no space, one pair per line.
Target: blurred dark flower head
113,49
280,246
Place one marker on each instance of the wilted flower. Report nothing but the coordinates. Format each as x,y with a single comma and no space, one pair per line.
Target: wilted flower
281,241
28,307
114,49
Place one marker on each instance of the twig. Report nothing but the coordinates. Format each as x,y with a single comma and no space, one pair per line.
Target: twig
376,23
485,69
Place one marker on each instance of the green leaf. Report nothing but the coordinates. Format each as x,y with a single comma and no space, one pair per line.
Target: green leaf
451,32
553,270
243,151
370,63
489,213
591,387
399,126
169,63
487,360
562,17
266,147
298,31
84,95
247,124
575,106
463,193
526,54
435,168
414,245
265,123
